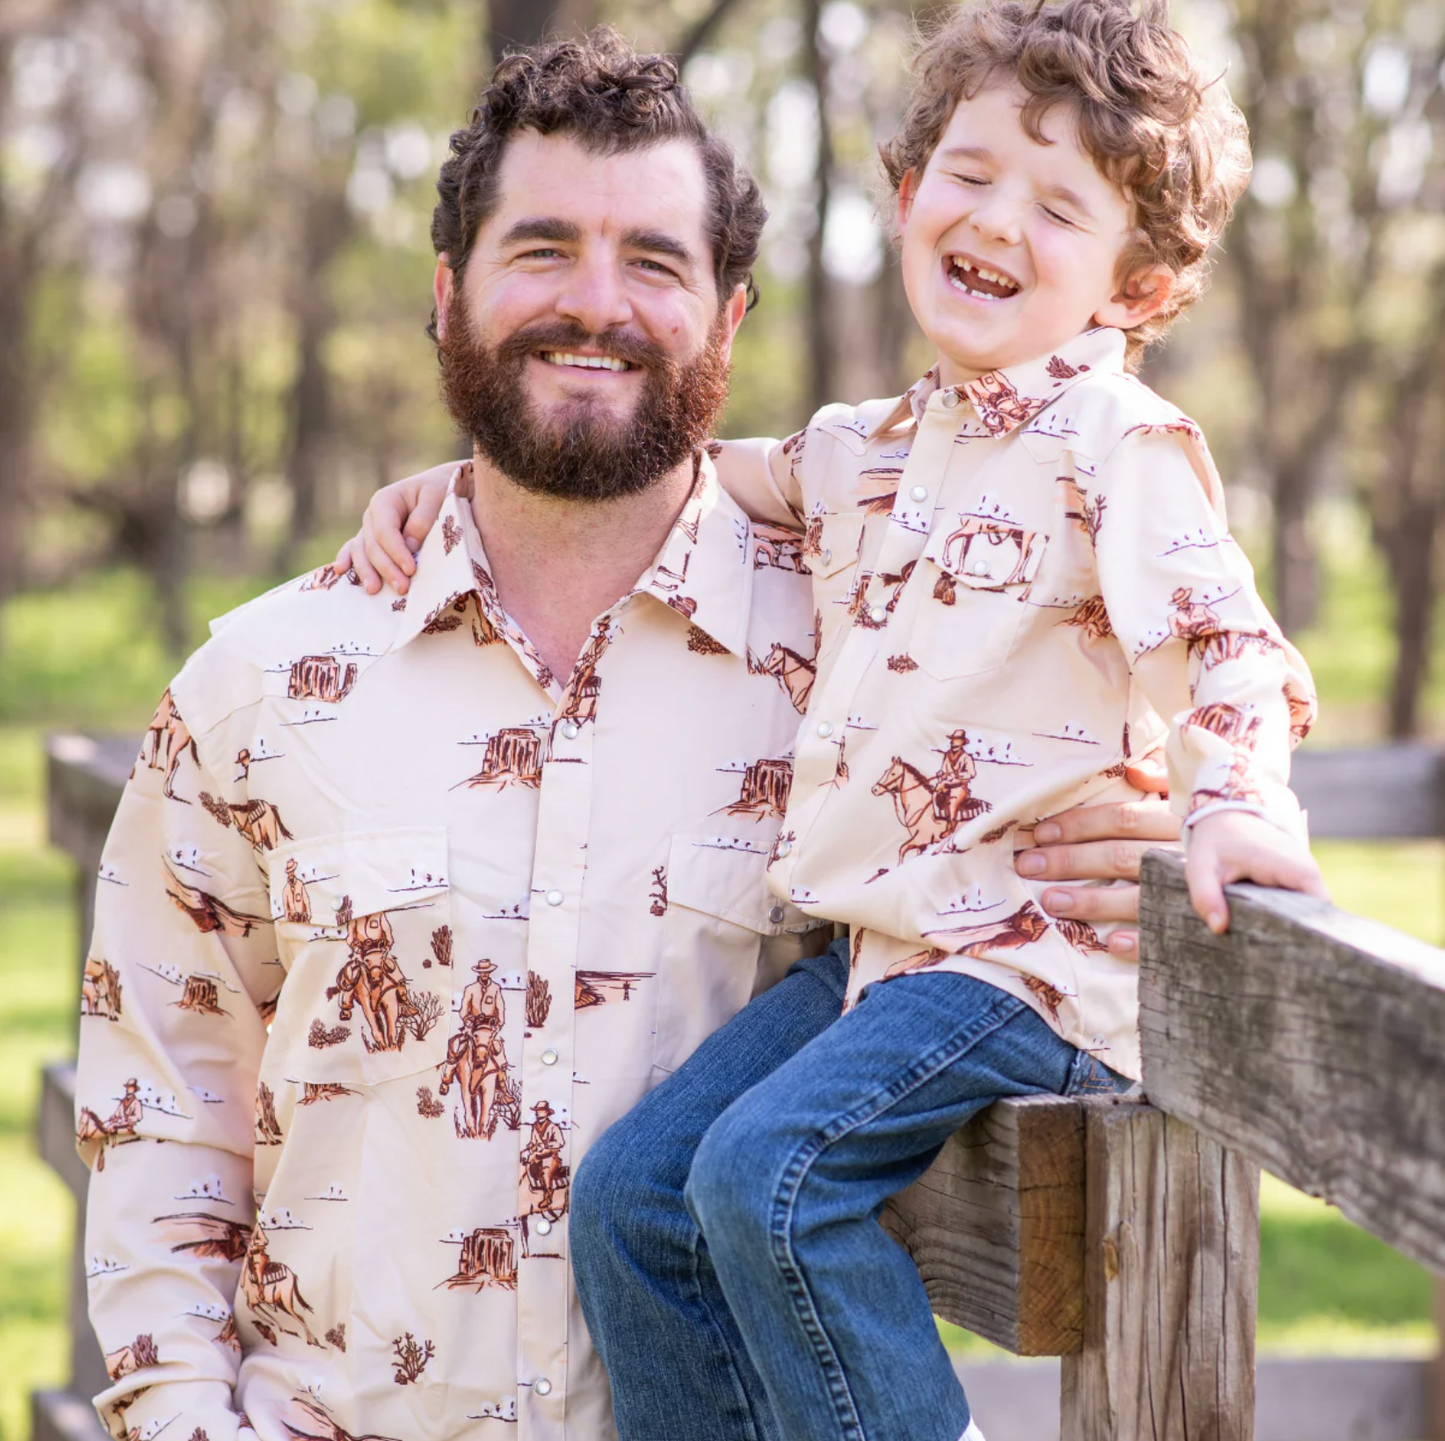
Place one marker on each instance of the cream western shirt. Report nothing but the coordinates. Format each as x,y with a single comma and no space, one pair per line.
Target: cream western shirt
391,924
1019,583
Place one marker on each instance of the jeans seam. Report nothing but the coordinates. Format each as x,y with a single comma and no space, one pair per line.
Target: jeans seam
730,1361
801,1162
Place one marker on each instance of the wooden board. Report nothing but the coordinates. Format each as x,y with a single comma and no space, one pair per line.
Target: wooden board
1310,1039
1382,792
1170,1282
996,1226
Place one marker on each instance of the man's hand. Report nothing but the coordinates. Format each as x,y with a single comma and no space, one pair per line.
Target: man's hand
1236,846
395,524
1104,842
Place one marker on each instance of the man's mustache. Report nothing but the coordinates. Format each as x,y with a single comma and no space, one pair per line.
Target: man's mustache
560,335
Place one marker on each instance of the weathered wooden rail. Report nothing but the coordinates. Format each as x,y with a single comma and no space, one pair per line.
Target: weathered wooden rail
1122,1235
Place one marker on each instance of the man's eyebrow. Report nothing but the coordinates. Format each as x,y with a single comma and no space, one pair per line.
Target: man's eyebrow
659,242
541,227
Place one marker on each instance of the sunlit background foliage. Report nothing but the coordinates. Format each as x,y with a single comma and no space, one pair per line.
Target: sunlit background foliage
214,281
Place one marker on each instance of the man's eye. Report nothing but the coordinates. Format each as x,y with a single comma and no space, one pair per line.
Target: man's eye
545,252
656,267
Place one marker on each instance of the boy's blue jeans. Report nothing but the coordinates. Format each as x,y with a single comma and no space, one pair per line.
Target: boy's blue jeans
724,1232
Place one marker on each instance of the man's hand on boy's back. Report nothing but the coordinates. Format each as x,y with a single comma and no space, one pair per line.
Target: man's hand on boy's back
1088,843
1102,843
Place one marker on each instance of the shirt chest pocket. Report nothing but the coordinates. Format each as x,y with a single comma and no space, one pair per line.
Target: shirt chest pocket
727,939
975,579
832,545
363,927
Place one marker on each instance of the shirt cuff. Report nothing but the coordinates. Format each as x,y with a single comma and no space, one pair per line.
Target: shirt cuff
1293,823
179,1408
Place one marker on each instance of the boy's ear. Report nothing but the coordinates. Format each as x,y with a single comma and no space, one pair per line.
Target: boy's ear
1142,295
907,189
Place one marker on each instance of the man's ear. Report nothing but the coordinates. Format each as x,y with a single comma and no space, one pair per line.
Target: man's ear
1143,295
442,285
733,311
907,189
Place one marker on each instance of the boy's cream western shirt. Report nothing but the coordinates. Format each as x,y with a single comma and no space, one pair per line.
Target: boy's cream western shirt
1019,584
391,924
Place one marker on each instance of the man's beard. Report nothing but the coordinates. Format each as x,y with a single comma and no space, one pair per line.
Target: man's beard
589,453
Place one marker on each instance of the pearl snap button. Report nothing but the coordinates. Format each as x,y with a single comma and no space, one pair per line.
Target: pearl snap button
919,492
825,729
827,556
570,730
980,567
951,399
544,1228
878,614
549,1058
776,915
785,849
542,1386
554,898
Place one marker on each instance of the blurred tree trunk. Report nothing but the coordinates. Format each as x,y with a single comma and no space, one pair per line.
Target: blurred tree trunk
26,252
1284,268
1406,503
817,317
326,228
513,24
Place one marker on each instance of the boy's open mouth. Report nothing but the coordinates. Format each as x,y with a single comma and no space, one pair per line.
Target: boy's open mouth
978,280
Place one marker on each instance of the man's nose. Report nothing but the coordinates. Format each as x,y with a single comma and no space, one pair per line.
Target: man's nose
595,295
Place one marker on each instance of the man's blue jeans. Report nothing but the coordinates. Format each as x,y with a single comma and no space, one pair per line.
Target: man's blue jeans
724,1232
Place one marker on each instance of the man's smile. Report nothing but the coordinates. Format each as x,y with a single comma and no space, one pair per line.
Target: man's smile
977,280
584,362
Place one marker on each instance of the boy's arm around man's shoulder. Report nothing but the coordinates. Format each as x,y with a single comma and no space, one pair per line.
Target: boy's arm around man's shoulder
182,961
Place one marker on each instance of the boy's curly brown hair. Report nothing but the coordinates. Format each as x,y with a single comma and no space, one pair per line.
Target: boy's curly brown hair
610,99
1173,141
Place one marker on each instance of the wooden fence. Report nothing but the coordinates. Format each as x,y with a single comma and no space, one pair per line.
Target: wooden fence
1122,1235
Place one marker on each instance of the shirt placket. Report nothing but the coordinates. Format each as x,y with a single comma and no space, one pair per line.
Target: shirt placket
547,1064
919,489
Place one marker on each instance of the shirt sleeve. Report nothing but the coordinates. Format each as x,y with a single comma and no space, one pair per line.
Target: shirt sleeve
763,477
1181,598
181,969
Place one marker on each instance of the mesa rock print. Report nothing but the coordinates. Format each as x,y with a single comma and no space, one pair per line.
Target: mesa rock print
380,950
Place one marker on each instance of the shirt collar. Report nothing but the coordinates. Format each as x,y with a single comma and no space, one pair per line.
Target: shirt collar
450,566
701,570
1011,396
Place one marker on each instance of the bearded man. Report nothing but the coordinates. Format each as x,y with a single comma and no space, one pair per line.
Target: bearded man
582,619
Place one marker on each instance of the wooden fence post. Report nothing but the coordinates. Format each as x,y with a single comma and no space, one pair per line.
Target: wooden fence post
1171,1276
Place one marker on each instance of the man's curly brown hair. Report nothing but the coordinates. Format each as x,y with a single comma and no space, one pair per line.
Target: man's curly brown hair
1172,140
600,92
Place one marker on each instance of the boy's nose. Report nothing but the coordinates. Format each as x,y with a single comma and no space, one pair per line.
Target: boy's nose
998,218
595,296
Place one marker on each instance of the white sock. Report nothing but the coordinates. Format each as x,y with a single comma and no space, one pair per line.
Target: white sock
973,1433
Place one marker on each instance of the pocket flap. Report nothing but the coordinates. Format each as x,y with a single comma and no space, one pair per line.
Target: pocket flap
987,554
833,541
365,871
720,877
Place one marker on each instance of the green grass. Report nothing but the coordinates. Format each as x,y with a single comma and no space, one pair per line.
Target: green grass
37,1004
